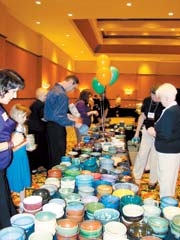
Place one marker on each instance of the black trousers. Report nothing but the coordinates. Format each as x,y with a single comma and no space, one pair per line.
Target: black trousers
56,137
7,209
39,157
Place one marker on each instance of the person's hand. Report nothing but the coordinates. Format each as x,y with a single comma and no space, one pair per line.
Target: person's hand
151,131
95,113
17,138
135,140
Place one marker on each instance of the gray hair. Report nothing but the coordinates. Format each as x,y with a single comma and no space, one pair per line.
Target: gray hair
166,90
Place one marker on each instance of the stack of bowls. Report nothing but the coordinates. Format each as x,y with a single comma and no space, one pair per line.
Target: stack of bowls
109,178
44,193
85,191
65,192
66,229
75,211
41,236
71,172
68,182
84,180
66,159
168,201
106,164
131,186
132,213
175,226
114,231
58,201
25,221
130,199
55,173
45,221
110,201
73,197
159,226
90,229
90,164
12,233
91,208
32,204
55,208
170,211
53,181
96,176
106,215
138,230
103,190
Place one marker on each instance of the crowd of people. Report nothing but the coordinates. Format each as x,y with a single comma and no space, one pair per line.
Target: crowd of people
47,118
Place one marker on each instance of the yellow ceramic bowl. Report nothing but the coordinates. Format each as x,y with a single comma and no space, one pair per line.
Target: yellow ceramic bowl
122,192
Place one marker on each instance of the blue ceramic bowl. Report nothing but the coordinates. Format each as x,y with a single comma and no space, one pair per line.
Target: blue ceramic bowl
110,201
168,201
106,215
12,233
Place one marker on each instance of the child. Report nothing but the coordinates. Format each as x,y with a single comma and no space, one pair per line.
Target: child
18,172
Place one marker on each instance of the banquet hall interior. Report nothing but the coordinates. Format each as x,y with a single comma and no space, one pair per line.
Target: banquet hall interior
47,40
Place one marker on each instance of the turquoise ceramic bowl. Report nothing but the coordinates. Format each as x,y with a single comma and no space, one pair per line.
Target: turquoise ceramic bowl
106,215
159,225
12,233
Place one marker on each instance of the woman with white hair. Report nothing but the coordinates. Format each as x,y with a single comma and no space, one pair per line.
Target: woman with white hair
167,140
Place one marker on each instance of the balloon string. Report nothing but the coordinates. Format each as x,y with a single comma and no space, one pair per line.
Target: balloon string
102,114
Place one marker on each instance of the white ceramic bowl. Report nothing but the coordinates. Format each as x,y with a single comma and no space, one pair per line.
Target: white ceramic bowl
54,208
170,211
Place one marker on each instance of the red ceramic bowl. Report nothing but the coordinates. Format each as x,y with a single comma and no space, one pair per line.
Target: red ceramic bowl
55,173
32,203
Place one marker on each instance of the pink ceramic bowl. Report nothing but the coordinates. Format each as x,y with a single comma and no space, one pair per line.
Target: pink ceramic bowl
32,203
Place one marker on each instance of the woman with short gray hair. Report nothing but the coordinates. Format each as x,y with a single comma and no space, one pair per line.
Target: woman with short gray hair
167,140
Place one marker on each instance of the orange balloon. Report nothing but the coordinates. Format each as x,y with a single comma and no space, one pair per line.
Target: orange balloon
103,61
103,75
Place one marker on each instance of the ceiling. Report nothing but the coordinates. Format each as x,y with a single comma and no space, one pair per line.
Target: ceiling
143,30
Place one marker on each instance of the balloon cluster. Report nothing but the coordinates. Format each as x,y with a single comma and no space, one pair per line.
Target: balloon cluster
105,75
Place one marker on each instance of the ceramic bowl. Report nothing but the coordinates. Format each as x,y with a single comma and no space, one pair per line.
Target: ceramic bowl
122,192
130,186
73,197
23,220
32,203
93,206
168,201
159,226
54,173
53,181
106,215
86,191
170,211
89,199
137,230
12,233
66,227
151,211
175,226
64,192
130,199
44,193
132,212
75,208
51,188
115,228
90,229
58,201
110,201
54,208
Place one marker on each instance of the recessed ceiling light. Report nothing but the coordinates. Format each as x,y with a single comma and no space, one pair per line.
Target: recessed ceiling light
38,22
170,14
67,35
70,14
172,29
81,51
62,44
102,29
38,2
128,4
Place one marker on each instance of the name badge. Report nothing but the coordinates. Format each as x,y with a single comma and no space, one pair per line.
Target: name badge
151,115
5,116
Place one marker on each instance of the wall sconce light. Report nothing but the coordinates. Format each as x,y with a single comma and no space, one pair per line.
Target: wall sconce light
128,91
45,85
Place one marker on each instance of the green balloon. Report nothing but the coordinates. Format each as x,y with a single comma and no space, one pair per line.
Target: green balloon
114,75
97,86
